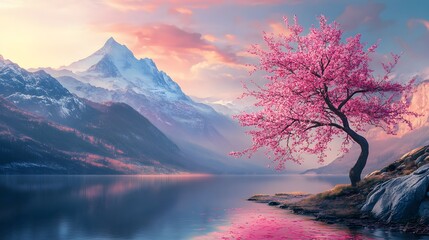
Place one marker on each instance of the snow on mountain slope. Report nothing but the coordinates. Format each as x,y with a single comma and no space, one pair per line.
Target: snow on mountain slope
113,73
37,91
114,67
128,136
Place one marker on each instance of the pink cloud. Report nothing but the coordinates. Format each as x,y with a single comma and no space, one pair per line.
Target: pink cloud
209,38
413,22
183,14
135,5
131,5
186,55
230,37
279,28
167,39
181,10
367,15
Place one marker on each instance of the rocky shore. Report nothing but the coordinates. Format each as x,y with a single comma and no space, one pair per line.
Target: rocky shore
394,198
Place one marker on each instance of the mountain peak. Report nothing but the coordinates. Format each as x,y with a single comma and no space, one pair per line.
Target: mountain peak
111,42
7,63
115,49
116,52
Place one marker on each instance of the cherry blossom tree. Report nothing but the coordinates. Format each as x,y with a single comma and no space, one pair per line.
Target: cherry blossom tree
318,88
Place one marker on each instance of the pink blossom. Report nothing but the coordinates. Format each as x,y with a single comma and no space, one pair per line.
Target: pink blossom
319,87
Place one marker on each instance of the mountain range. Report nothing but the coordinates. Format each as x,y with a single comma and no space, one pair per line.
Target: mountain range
108,113
113,113
36,109
114,74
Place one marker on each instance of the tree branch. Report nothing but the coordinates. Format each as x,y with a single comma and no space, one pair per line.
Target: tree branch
350,96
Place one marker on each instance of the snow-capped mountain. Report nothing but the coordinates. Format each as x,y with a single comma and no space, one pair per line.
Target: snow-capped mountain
115,68
113,73
112,135
37,91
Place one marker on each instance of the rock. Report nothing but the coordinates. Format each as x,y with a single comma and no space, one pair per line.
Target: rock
424,211
376,172
259,198
417,153
273,203
398,199
421,171
393,166
422,158
402,166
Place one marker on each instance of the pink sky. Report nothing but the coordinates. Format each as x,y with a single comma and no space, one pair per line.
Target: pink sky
201,44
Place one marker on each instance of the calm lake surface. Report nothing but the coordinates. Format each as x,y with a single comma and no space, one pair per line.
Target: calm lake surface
162,207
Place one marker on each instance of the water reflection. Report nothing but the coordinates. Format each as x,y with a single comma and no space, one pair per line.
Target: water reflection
256,222
139,207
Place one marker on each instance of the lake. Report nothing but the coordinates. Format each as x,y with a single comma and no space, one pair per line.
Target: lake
163,207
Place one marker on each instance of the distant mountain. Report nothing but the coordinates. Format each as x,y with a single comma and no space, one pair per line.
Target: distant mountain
387,148
114,131
115,68
114,74
123,141
31,145
37,91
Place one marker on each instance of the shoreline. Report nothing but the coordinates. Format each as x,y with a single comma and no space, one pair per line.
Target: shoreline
342,204
335,210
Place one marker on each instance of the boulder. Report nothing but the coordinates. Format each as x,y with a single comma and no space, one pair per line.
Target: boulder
399,199
422,159
424,211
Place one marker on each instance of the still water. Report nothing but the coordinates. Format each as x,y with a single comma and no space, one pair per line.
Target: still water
162,207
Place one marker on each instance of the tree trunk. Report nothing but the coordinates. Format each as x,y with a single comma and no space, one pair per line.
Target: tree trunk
357,169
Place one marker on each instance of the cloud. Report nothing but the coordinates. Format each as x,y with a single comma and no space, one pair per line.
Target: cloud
425,23
172,39
181,10
414,44
230,37
413,22
131,5
136,5
209,37
217,80
279,28
425,74
202,64
183,14
368,15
